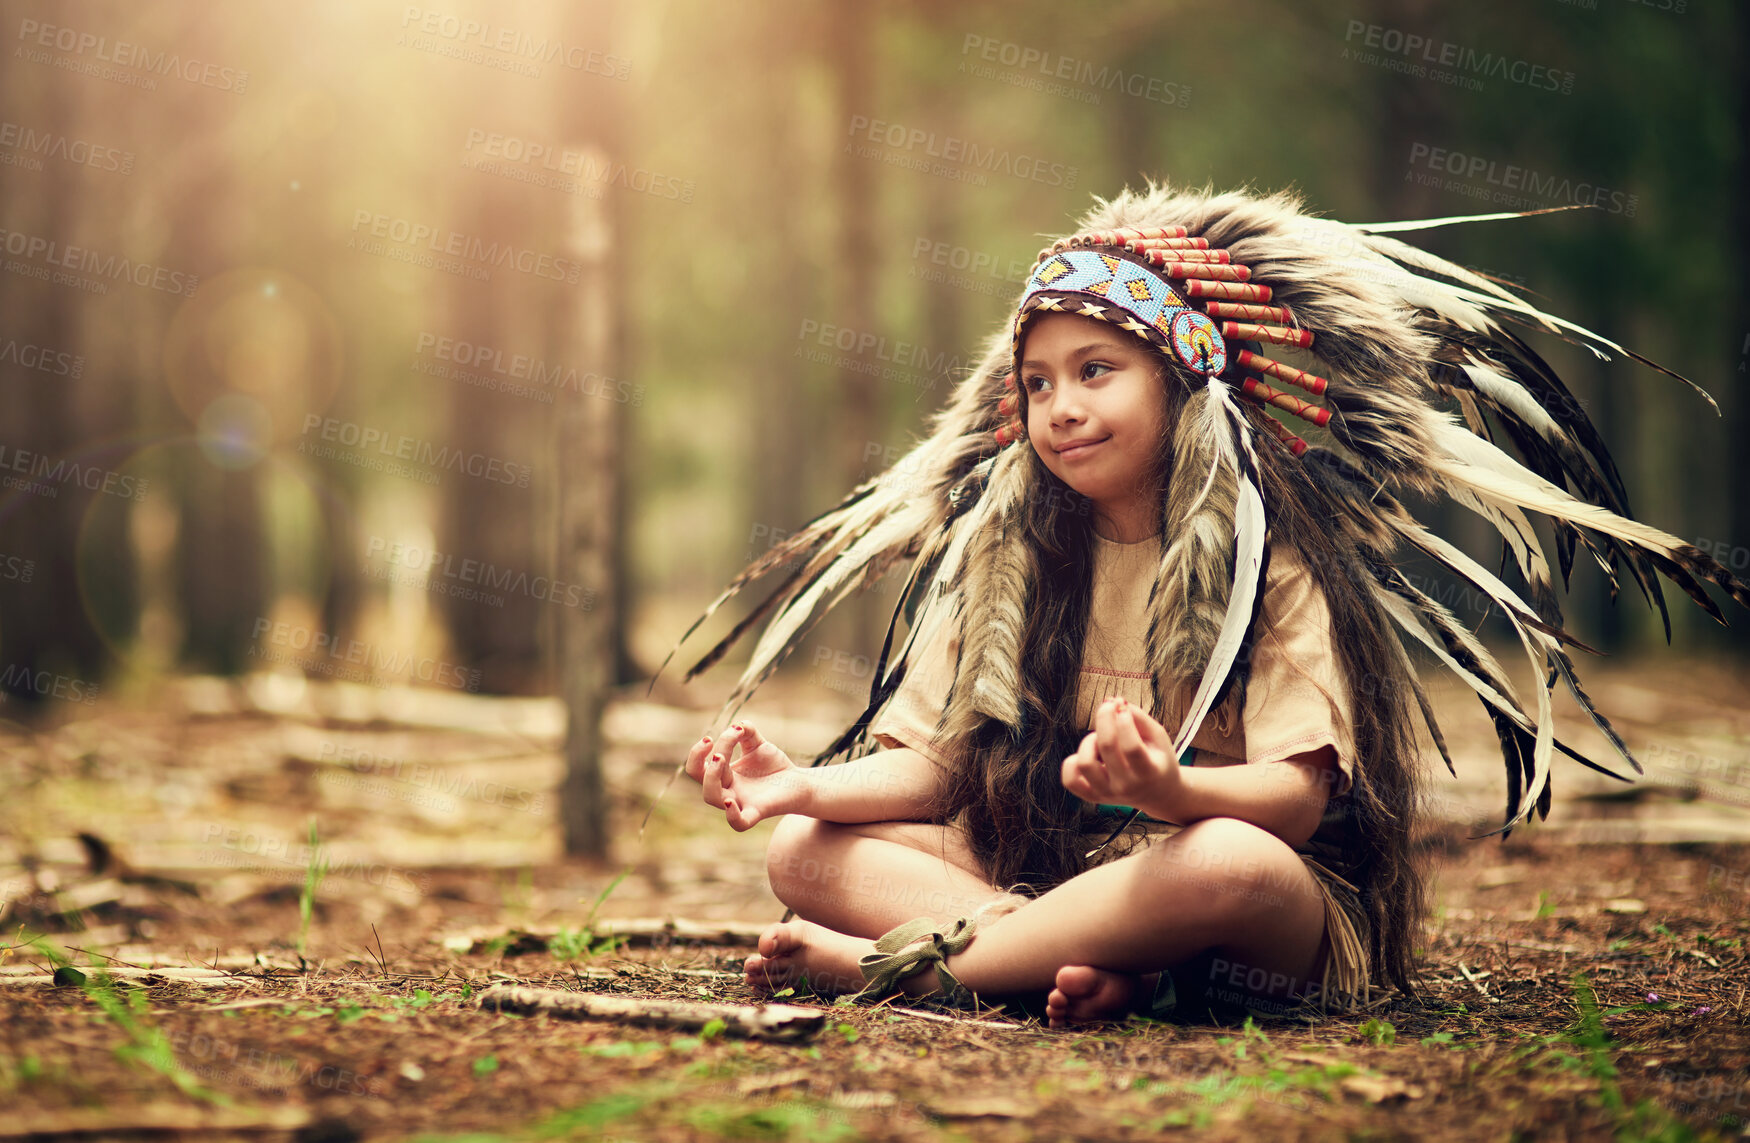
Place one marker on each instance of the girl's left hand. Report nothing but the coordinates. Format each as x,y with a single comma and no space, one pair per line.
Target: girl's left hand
1126,759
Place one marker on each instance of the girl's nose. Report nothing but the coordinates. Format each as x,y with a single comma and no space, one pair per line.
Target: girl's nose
1066,408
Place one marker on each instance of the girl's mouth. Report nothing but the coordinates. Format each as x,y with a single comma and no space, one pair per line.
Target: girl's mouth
1081,448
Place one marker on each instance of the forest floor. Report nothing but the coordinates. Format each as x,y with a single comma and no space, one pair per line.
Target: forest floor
1586,978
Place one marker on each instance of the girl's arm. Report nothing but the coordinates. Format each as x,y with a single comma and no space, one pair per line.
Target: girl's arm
1128,758
889,785
1287,798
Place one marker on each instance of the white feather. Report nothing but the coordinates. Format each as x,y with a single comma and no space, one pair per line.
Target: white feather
1248,560
1471,460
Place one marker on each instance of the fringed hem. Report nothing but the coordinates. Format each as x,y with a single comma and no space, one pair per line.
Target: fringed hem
1346,980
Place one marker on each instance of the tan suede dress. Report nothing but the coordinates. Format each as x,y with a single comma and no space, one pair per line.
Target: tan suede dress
1297,700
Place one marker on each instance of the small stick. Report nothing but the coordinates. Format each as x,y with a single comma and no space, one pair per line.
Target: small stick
922,1015
780,1022
1475,982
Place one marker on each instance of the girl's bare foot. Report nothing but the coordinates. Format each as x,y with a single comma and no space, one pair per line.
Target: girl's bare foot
791,950
1084,993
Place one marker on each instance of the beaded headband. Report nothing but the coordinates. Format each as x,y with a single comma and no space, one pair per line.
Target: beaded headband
1073,276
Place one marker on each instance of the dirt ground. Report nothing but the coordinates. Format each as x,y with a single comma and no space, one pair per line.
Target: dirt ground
1579,985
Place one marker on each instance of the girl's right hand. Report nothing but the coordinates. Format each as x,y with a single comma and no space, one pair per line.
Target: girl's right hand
760,784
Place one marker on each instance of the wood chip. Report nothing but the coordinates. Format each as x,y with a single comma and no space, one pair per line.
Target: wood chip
1380,1089
773,1080
200,977
154,1119
983,1107
1627,906
785,1023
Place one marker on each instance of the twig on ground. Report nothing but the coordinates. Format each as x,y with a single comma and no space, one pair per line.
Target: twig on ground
1476,983
780,1022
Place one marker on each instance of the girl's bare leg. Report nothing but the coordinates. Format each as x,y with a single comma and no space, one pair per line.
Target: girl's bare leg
1219,885
862,880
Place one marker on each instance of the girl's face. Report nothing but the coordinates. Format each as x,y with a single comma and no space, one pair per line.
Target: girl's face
1094,407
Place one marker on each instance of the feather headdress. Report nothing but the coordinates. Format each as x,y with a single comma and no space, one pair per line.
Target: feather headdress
1420,372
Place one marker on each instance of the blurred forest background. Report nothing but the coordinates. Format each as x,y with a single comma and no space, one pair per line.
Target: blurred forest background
446,343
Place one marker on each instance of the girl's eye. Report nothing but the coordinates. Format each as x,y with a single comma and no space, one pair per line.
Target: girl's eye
1037,383
1095,365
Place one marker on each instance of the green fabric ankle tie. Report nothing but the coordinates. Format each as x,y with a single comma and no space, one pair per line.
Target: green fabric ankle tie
911,947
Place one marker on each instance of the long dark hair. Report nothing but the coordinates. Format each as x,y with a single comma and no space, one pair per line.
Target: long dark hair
1005,790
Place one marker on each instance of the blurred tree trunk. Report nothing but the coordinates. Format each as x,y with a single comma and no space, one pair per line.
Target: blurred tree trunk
1736,399
42,626
587,431
483,519
782,274
850,36
221,568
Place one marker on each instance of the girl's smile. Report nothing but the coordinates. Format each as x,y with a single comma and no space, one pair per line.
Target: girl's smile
1095,416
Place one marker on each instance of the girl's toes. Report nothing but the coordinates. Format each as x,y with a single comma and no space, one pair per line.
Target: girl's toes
1086,993
765,975
1078,981
781,938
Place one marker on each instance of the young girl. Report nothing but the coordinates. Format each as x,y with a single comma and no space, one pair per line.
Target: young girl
1132,594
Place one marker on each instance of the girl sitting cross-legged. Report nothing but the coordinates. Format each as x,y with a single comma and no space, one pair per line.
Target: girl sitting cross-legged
1151,737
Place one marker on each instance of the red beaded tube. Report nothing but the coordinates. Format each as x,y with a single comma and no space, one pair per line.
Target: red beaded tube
1277,314
1241,331
1299,378
1171,243
1173,254
1208,270
1232,291
1289,441
1294,406
1141,232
